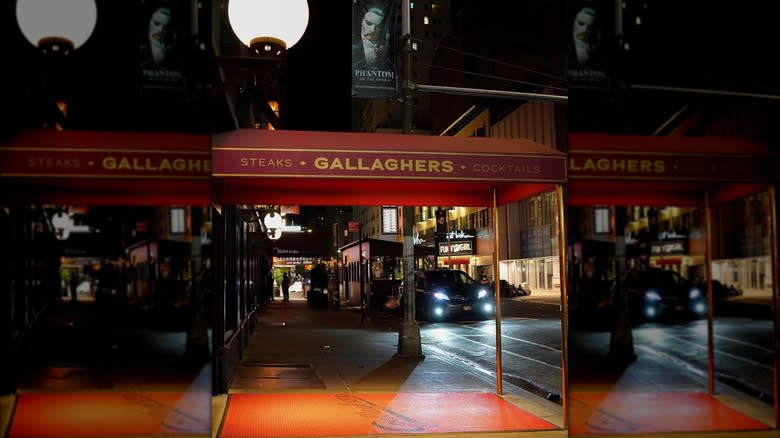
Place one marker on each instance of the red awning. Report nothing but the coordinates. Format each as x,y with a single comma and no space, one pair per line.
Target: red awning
106,168
336,168
608,169
272,167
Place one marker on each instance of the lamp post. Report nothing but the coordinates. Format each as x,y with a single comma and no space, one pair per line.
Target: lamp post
56,27
268,28
409,341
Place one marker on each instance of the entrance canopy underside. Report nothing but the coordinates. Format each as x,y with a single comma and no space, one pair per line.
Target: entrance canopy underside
607,169
367,192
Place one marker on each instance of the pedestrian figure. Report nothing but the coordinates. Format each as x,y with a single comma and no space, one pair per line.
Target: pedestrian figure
286,286
269,286
74,286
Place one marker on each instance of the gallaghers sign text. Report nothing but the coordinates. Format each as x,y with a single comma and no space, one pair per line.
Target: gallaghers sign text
311,163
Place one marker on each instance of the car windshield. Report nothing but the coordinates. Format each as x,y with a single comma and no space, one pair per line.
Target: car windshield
448,277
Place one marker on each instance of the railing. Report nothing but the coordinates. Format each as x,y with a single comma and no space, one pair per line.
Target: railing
229,356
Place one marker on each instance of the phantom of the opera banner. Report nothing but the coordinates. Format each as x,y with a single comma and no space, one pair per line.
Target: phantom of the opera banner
587,61
162,31
373,49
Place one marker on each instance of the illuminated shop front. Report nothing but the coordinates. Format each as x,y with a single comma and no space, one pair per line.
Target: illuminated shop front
456,249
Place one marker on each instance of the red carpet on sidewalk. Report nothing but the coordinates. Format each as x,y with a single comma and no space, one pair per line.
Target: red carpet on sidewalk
600,413
344,414
110,414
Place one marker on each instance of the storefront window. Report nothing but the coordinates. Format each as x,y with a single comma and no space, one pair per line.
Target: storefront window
386,268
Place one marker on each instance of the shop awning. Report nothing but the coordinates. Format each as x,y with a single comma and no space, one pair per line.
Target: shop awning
337,168
272,167
106,168
608,169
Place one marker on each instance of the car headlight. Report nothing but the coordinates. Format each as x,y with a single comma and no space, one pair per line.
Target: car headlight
699,308
482,293
652,295
441,296
651,312
694,293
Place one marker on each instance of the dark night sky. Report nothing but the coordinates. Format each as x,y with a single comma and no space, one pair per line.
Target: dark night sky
708,45
684,43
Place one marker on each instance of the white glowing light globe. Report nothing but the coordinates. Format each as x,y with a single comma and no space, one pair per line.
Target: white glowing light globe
273,220
284,20
70,20
275,234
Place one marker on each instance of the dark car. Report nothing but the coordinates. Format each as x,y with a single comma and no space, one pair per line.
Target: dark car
451,293
655,293
507,289
720,290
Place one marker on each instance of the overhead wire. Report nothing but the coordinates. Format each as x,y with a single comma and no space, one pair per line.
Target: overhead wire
437,46
501,78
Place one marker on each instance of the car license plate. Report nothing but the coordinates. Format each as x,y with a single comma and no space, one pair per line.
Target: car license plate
467,308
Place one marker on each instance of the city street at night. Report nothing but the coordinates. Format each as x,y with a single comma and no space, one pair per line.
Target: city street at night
389,218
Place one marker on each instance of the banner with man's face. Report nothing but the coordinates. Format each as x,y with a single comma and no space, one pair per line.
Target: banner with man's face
373,49
587,54
163,29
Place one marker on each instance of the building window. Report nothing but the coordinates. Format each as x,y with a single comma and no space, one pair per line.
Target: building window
389,220
177,220
601,220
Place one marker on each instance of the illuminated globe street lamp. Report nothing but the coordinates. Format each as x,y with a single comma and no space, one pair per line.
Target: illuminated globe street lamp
56,27
273,224
268,27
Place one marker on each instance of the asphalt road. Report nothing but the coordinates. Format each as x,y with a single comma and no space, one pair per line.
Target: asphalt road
531,355
531,348
743,353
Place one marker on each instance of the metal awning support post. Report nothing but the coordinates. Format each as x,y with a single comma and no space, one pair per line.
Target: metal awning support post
775,294
710,309
497,291
562,257
218,382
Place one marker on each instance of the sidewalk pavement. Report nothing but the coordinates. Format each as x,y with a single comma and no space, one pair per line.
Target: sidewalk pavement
352,353
311,351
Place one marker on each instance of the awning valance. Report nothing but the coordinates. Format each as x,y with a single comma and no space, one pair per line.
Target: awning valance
104,168
338,168
614,169
250,166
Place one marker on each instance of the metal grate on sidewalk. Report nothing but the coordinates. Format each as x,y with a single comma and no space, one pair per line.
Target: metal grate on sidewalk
271,377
